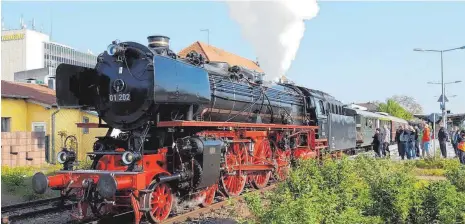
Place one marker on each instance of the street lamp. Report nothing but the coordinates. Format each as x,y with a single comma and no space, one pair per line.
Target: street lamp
443,101
445,83
452,96
442,78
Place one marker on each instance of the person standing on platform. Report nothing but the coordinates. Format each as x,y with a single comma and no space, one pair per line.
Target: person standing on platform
442,137
404,139
412,143
399,143
420,137
417,141
386,141
426,141
454,140
376,142
461,146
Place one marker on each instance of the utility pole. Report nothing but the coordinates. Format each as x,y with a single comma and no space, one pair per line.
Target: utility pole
208,35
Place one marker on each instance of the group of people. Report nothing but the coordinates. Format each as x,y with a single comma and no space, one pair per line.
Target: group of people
408,140
411,140
381,142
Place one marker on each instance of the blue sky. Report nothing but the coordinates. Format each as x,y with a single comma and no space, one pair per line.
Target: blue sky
356,51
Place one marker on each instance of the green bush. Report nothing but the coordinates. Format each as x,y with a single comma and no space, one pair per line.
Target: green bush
436,163
15,176
17,180
456,176
364,190
84,165
441,204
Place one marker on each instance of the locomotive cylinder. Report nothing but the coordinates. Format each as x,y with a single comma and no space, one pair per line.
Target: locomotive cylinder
162,179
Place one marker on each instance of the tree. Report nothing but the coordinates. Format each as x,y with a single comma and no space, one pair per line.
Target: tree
395,109
409,103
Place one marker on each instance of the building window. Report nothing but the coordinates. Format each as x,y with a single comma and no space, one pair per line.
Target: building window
6,124
86,129
38,126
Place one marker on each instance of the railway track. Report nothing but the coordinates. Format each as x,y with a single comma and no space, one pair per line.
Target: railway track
195,214
20,211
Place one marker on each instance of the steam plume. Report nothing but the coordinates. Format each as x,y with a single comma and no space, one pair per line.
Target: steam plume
274,28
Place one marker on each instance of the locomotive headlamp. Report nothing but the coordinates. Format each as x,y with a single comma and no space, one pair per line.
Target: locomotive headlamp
111,49
129,157
66,156
115,49
62,157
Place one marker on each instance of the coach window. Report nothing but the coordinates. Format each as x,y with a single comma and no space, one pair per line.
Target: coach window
322,107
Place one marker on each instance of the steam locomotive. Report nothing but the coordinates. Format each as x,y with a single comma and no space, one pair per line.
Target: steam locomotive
189,128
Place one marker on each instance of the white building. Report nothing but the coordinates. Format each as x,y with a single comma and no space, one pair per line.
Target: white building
24,50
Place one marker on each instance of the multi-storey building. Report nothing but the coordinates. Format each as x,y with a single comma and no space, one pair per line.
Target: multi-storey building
30,55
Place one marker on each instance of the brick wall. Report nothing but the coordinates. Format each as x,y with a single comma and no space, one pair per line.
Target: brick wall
23,149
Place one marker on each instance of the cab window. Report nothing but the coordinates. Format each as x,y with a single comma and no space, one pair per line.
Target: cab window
321,107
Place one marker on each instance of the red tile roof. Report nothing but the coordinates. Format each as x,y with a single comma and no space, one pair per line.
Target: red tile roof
36,92
216,54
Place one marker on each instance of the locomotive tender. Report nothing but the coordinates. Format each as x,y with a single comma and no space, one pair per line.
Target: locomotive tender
189,128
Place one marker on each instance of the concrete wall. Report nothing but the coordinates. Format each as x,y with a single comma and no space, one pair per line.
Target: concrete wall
35,49
22,50
13,54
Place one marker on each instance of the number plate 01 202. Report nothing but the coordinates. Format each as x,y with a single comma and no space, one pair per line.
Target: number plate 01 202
120,97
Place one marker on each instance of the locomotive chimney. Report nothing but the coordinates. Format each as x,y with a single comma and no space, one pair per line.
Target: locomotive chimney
159,42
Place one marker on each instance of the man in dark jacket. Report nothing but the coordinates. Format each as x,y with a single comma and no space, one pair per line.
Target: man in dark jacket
417,141
454,137
442,137
399,143
460,139
377,142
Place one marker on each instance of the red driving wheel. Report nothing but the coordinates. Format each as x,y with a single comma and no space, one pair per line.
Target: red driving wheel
262,155
233,182
161,201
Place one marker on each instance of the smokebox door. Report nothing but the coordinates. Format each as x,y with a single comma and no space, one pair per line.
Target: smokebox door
75,85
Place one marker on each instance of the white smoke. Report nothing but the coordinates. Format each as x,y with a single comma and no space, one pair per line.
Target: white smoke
274,28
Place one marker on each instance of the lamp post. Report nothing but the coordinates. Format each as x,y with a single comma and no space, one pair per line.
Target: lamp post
443,99
442,79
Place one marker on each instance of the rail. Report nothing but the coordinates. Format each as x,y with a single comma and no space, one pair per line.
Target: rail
29,209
